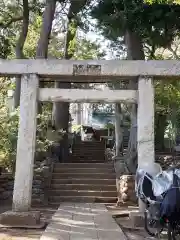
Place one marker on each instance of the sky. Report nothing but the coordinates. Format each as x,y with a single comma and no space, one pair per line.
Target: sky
92,35
103,43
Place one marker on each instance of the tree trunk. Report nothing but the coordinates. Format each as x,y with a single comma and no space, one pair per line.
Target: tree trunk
118,130
61,109
19,49
174,126
48,17
62,120
42,46
78,113
160,126
134,52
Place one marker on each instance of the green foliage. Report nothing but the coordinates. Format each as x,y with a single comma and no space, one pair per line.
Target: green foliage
42,141
167,93
8,140
32,37
5,48
9,133
156,22
167,96
10,26
109,126
88,50
76,128
9,129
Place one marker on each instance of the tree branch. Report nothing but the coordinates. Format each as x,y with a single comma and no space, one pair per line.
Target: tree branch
174,53
12,20
18,18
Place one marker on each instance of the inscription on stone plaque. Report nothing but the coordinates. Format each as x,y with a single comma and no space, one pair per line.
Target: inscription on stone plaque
89,69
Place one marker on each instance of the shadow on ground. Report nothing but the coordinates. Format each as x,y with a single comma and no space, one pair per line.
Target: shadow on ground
25,234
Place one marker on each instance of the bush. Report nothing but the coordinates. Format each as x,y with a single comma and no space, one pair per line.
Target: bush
76,128
9,135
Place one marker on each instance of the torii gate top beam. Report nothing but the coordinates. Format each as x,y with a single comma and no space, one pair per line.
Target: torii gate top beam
90,70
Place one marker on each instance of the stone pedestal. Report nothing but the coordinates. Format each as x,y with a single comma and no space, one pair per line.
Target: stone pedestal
137,219
21,219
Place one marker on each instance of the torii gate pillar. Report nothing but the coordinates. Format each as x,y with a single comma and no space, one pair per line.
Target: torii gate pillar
145,132
21,214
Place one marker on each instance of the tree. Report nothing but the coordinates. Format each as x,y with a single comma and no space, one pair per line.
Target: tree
62,120
134,52
48,17
166,98
14,22
138,25
19,49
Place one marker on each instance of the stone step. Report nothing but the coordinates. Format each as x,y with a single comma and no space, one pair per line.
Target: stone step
3,180
79,145
55,205
82,148
88,157
82,186
36,202
53,200
83,175
102,181
84,165
75,193
83,170
89,153
89,143
97,147
92,158
81,159
92,152
85,160
83,151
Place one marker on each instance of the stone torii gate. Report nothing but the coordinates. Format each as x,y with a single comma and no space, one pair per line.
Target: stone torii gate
32,71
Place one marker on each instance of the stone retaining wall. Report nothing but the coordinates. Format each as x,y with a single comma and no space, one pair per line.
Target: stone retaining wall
41,182
6,186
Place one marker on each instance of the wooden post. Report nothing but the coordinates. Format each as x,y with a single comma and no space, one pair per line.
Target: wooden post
145,131
26,143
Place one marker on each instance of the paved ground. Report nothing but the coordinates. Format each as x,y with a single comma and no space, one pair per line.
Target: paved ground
79,222
132,233
24,234
82,222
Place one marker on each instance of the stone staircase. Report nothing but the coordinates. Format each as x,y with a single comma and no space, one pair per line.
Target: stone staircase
88,151
125,141
85,178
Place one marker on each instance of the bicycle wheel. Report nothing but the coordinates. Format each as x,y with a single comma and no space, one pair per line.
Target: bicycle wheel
171,233
151,226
